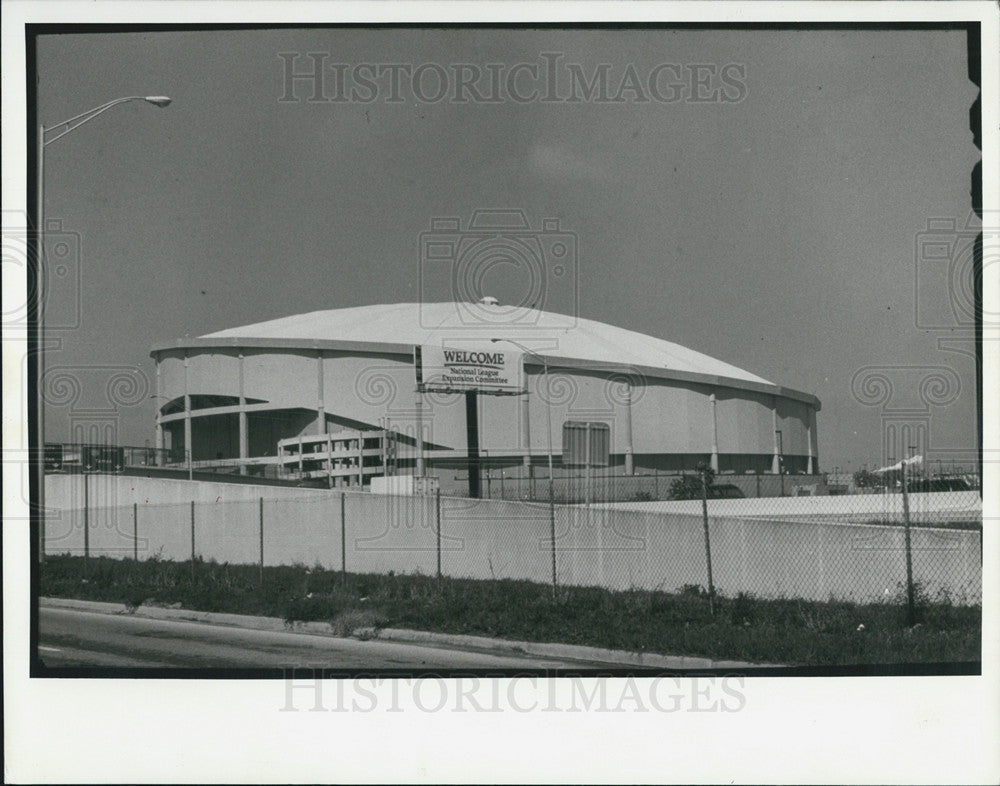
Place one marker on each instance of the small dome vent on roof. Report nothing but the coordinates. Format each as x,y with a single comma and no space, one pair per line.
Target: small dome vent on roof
489,300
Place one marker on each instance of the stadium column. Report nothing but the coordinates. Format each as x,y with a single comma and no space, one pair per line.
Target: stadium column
809,437
329,461
630,452
714,463
243,420
526,430
320,406
419,436
361,459
776,461
187,414
159,425
472,441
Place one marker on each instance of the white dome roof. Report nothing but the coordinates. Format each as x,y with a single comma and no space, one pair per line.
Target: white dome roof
548,333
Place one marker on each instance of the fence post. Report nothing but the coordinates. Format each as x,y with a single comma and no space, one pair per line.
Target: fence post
910,611
708,548
135,531
192,540
343,537
260,518
86,522
437,528
552,535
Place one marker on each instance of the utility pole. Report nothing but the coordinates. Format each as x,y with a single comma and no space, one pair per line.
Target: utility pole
910,611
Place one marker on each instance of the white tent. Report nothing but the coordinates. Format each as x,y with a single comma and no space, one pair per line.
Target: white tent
900,464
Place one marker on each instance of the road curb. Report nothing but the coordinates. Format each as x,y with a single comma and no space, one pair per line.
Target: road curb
573,652
561,651
189,615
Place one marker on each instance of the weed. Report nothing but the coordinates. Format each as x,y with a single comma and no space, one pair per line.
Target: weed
745,627
741,612
362,620
134,601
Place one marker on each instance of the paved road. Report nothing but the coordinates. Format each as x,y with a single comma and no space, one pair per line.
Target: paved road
68,637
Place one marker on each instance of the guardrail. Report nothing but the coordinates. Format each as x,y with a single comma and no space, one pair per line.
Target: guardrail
91,457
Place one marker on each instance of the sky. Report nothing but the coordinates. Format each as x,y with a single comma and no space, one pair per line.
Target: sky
776,225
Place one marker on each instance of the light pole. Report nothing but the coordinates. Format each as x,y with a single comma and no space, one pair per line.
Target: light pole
67,126
548,431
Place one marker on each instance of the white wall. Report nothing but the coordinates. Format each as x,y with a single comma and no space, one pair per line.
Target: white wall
487,539
107,490
951,503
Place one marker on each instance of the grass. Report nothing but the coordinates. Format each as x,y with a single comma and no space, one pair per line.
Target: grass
787,631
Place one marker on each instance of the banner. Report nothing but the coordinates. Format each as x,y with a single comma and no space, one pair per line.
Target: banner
493,369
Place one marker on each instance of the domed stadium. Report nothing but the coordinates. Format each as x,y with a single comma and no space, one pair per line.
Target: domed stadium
344,395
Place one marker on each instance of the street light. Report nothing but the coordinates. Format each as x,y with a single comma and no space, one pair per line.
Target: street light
548,431
67,127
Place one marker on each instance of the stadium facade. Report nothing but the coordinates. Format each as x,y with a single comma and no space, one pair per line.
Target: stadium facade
336,392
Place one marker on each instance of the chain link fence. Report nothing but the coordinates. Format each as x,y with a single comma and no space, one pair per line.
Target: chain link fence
573,486
880,548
